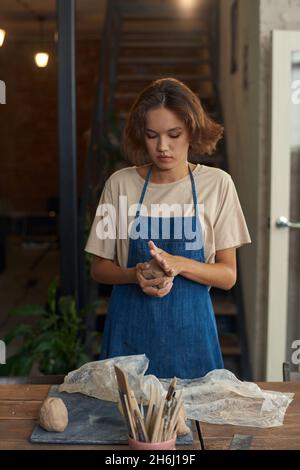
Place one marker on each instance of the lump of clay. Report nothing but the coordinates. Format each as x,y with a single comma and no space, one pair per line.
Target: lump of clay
154,271
53,415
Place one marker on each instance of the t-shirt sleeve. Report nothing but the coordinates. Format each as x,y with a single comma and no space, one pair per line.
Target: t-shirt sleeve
102,239
230,227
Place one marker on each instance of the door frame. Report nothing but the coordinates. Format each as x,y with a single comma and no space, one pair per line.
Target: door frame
283,44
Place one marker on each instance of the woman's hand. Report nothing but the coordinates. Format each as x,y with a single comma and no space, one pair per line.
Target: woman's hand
171,264
150,286
154,271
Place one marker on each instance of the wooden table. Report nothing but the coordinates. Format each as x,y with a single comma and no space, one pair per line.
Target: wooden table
285,437
19,407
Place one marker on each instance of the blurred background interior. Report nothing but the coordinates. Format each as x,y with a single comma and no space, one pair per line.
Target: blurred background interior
60,131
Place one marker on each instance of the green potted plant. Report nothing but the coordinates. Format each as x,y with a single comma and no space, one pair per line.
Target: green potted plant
54,343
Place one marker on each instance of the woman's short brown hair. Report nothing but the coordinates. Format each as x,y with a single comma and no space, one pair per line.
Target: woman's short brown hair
177,97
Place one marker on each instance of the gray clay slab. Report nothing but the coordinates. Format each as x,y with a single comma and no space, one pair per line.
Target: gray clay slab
91,421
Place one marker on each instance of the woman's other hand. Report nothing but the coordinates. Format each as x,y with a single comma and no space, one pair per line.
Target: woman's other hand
151,286
170,264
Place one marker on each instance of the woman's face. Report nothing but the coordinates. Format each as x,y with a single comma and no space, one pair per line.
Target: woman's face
166,138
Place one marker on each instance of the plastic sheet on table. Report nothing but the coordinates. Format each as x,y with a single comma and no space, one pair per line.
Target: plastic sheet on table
218,398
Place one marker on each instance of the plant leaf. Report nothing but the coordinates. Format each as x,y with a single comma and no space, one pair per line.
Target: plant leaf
18,331
28,311
52,290
19,364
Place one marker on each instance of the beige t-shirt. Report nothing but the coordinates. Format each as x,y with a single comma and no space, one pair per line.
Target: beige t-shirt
222,220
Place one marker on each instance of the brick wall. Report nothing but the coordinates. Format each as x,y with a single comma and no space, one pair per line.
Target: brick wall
28,123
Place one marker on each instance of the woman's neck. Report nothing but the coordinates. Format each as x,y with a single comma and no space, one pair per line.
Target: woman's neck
161,176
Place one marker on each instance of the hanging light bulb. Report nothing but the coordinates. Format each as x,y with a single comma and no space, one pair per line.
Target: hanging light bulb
187,6
187,3
2,36
41,59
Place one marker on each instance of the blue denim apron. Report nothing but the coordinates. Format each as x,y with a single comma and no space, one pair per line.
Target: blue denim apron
177,332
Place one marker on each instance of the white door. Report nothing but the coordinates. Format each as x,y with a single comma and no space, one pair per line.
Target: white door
283,337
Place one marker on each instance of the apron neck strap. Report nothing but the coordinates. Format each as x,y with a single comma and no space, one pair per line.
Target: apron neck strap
194,192
143,192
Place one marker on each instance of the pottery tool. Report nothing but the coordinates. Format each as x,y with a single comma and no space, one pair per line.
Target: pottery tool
161,421
124,391
142,436
125,411
167,417
131,423
137,416
150,407
142,408
158,419
123,385
157,399
160,432
174,417
171,389
168,407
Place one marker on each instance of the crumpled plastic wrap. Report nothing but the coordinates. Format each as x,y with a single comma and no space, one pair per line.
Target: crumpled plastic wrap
217,398
97,379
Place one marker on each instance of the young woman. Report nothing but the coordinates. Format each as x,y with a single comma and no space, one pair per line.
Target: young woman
186,218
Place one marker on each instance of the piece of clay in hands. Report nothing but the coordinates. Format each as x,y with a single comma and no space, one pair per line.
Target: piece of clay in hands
154,271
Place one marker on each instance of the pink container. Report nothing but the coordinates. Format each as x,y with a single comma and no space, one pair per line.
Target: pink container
165,445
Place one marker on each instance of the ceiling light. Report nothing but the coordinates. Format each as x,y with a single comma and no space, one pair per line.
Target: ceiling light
2,36
187,3
41,59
